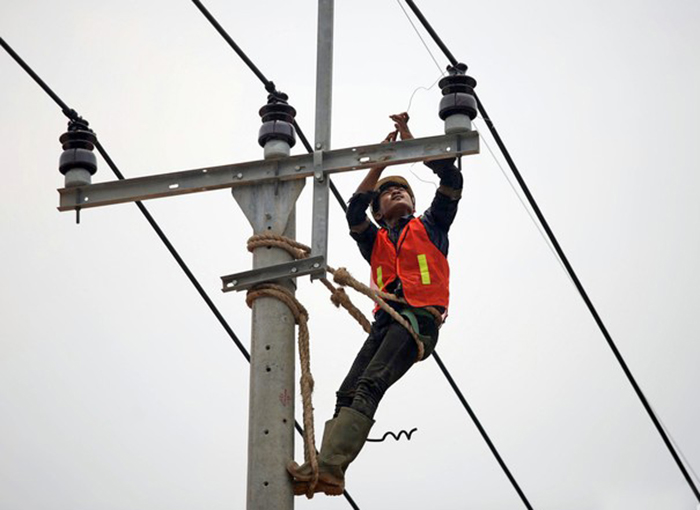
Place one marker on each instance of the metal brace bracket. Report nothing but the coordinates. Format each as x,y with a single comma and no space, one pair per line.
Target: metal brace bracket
318,166
319,225
248,279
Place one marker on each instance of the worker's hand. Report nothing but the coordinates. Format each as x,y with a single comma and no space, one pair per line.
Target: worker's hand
376,171
391,137
401,125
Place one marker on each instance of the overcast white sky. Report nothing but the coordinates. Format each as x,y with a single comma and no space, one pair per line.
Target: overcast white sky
118,389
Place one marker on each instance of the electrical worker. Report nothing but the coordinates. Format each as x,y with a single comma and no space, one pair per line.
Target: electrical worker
408,257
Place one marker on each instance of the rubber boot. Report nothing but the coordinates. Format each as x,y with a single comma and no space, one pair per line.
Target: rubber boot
346,438
304,473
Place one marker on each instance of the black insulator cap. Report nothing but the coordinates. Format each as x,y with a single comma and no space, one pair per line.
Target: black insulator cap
77,158
457,83
78,143
458,102
278,120
458,93
276,130
78,139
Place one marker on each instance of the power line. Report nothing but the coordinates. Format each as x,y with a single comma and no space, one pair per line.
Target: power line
72,115
68,112
442,73
269,85
564,260
481,429
441,365
432,32
675,443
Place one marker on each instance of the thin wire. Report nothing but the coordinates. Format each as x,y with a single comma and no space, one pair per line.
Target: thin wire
522,202
584,295
675,443
410,101
564,259
438,360
425,45
510,183
407,110
410,169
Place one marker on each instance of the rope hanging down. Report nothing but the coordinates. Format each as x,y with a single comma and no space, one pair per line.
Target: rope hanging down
339,298
301,317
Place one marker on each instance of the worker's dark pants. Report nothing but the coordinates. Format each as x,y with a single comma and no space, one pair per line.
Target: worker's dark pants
385,357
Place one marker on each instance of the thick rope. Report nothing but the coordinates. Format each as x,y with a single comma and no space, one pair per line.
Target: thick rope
341,276
340,298
344,278
301,316
300,251
294,248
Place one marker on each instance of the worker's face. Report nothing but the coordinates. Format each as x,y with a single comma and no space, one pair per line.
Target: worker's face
395,202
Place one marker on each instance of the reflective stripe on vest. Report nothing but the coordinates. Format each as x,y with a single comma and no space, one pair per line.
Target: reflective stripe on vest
424,271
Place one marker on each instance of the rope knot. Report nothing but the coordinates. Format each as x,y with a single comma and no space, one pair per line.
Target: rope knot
340,297
342,276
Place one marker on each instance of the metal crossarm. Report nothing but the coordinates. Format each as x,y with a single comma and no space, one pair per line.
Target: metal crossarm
270,170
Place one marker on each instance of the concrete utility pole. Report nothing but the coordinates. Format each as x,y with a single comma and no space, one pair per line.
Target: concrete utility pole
270,208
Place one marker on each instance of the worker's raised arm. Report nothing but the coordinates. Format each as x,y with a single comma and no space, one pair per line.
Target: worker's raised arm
375,172
402,130
360,201
443,209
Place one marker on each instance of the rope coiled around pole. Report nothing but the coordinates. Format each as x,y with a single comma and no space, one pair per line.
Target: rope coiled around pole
301,317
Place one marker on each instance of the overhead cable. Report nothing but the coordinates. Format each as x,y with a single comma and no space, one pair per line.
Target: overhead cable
68,112
564,259
442,73
482,431
269,85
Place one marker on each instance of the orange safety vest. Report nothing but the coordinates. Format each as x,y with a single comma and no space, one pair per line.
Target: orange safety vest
416,261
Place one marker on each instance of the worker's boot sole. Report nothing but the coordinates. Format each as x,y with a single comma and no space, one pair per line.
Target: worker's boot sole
345,439
329,489
327,483
301,473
